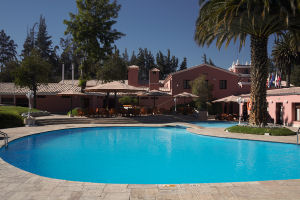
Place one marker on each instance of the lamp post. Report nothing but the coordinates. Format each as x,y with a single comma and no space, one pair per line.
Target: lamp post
29,95
239,101
29,120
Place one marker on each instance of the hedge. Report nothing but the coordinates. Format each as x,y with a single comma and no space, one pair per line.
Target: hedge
9,120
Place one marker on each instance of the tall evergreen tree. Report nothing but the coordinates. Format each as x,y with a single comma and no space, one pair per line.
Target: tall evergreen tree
145,61
7,50
125,57
183,65
91,27
166,64
8,72
133,59
43,41
29,43
114,68
92,32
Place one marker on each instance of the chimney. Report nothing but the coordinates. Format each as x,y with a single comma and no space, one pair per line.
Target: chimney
133,75
154,79
63,73
72,74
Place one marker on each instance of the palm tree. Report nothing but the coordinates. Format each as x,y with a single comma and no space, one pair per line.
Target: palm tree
284,54
225,20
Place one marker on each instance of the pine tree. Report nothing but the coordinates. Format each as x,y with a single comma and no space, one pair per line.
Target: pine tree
91,28
43,41
125,57
7,50
167,64
133,59
114,68
183,65
29,43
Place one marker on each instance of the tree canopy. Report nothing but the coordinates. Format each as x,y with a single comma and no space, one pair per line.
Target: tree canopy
8,51
223,21
114,68
203,89
92,27
33,72
284,54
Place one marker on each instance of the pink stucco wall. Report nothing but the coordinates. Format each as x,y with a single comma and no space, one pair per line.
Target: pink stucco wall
288,103
213,75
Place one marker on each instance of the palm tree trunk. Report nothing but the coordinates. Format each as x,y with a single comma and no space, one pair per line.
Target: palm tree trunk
259,73
288,76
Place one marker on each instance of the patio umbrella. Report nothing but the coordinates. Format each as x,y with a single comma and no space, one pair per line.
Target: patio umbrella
115,86
231,98
184,95
154,94
71,93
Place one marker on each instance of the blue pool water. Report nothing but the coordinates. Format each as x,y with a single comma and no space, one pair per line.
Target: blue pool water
147,155
216,124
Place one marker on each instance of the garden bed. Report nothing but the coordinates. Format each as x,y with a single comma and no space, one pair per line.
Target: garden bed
275,131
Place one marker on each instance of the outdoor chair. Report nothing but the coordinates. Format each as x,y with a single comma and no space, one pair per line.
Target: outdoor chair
112,112
103,112
155,111
136,112
80,113
143,111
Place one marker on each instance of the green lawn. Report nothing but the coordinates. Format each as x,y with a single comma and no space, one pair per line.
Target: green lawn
15,109
261,131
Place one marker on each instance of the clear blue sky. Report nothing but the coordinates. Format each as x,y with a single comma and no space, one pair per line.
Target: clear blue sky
153,24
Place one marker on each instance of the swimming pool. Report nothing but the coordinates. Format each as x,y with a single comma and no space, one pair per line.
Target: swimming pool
215,124
147,155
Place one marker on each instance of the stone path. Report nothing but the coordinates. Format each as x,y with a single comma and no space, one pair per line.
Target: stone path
16,184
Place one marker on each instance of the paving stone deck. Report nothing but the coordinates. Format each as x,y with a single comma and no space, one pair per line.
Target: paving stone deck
16,184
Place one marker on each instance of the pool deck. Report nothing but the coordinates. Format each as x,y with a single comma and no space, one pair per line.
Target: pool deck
16,184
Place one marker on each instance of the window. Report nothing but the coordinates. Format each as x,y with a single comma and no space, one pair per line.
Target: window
186,84
297,107
7,100
223,84
206,83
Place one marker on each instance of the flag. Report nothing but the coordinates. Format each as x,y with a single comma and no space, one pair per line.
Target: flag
273,79
270,81
279,80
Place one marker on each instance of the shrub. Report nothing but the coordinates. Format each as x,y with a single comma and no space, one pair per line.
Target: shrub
9,120
261,131
127,100
74,111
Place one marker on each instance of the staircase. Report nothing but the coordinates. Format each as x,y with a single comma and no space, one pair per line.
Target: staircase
55,121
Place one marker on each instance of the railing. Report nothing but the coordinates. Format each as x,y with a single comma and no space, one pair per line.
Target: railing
298,135
5,139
